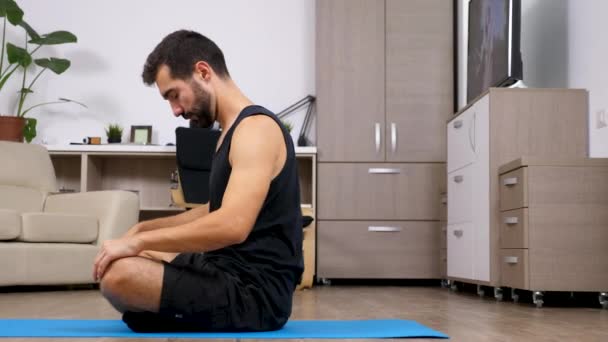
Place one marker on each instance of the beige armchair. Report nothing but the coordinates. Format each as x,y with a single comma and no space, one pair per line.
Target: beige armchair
49,238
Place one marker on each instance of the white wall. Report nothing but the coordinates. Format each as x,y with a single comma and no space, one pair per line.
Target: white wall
562,45
268,45
587,66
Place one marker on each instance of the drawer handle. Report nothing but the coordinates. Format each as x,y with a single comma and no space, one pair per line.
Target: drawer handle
444,200
384,170
457,124
511,220
510,181
384,229
458,179
377,136
444,229
511,260
458,233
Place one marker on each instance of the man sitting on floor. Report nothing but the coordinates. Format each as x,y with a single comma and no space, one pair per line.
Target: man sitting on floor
234,263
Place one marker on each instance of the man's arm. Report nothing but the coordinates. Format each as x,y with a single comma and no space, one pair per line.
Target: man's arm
256,146
169,221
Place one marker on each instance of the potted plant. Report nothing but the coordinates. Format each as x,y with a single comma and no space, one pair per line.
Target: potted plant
18,126
114,133
287,125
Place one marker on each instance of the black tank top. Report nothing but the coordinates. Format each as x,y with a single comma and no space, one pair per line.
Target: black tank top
271,256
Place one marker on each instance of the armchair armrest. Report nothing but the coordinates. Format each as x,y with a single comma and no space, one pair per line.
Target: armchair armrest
116,210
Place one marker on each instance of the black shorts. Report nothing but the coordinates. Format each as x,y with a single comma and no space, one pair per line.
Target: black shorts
199,295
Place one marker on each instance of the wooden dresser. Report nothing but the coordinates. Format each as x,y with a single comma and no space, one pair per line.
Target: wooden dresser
554,225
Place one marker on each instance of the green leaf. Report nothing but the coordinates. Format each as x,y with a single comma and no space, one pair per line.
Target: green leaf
30,31
57,65
53,38
29,131
18,55
10,9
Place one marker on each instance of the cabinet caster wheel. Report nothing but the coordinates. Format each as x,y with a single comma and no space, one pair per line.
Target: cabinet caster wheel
498,294
325,281
480,291
445,283
604,300
514,296
537,298
454,287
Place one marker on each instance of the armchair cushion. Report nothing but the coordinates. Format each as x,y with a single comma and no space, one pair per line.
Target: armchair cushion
10,224
56,227
115,210
21,199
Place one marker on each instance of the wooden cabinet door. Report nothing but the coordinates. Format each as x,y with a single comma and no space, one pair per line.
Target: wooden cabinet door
419,79
350,80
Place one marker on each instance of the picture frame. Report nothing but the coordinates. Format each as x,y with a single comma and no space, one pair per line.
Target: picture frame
141,135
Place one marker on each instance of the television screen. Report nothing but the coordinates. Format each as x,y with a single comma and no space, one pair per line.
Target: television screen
491,34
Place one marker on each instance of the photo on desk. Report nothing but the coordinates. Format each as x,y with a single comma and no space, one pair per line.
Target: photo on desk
141,135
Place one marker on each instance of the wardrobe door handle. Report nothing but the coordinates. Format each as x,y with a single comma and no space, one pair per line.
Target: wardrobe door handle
384,170
377,136
458,179
393,137
457,124
381,229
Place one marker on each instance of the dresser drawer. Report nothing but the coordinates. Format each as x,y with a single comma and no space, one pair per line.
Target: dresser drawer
461,140
514,228
514,189
514,268
379,191
460,195
378,249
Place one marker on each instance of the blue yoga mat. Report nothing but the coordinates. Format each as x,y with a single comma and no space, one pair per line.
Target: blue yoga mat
392,328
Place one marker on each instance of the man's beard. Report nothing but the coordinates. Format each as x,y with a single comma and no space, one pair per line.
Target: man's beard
200,115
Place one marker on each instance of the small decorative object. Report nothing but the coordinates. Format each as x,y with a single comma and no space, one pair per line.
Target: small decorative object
141,134
287,125
92,140
114,133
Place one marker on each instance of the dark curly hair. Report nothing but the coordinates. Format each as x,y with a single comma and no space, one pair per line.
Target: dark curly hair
180,50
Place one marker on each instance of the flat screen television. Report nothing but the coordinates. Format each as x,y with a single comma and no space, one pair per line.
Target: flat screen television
494,55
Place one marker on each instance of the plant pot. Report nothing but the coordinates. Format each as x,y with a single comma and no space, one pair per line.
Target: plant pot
11,128
114,140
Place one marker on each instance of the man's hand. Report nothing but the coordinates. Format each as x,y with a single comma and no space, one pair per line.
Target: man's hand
112,250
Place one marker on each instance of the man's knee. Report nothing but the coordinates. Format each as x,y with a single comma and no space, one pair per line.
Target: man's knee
116,277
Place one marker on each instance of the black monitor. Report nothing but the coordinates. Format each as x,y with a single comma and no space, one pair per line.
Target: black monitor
494,55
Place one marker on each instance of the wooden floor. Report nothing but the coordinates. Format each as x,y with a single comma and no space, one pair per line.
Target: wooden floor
463,316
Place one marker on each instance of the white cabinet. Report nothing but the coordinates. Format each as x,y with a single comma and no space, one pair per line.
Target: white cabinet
500,126
468,193
460,250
